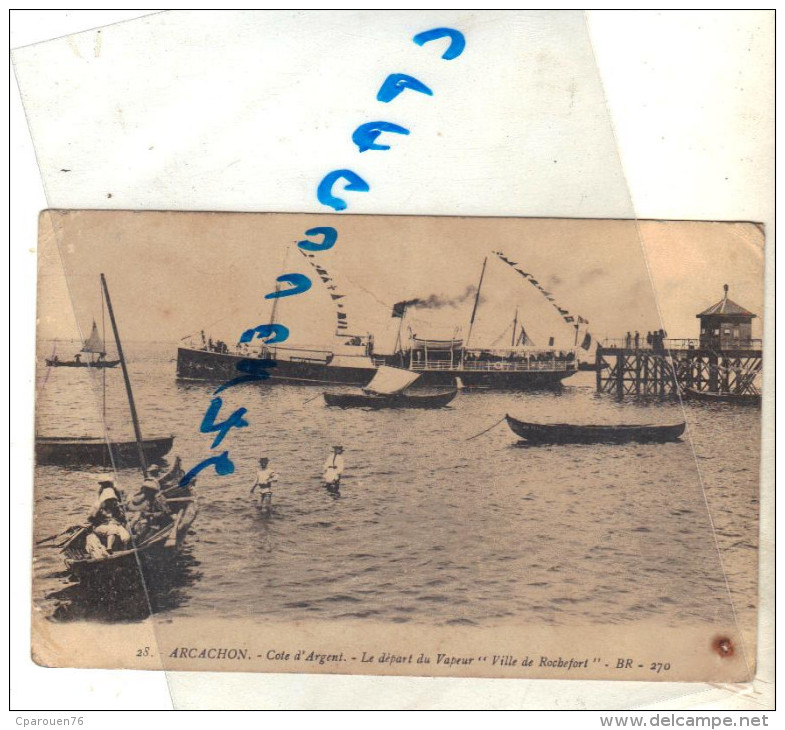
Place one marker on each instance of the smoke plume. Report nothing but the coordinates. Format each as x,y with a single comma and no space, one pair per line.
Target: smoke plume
436,301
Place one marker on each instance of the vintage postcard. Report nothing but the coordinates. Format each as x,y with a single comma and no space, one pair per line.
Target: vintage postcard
408,445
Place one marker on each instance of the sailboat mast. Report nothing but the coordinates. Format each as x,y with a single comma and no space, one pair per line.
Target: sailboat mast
514,327
275,304
103,370
476,302
131,405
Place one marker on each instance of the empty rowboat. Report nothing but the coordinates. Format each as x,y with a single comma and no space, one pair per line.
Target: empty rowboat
94,451
742,399
566,433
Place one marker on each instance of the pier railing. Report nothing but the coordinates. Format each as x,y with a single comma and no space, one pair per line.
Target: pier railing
623,343
678,366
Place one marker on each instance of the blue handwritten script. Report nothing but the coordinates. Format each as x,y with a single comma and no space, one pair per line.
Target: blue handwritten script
365,138
255,369
396,84
455,47
222,463
268,333
325,190
366,134
300,284
329,237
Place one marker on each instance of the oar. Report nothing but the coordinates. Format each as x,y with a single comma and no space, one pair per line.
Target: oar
171,541
60,534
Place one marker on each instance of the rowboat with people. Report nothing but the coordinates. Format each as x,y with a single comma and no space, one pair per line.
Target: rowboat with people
122,535
155,543
93,345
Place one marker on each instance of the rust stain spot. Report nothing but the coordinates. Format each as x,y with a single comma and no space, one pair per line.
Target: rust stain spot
723,646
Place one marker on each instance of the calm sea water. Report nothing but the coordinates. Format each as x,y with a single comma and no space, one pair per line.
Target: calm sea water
430,526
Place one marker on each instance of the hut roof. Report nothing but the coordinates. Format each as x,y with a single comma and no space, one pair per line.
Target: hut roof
726,307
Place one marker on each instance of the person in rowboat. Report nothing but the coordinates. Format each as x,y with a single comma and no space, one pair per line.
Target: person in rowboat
265,478
151,511
107,517
333,468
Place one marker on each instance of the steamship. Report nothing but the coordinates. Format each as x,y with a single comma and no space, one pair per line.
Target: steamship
438,362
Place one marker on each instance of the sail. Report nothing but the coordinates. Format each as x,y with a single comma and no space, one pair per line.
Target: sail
94,343
389,381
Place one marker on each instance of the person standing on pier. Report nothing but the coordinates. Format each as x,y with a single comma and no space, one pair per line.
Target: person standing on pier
628,340
637,339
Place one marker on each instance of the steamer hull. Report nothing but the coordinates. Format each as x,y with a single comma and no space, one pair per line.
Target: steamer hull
214,366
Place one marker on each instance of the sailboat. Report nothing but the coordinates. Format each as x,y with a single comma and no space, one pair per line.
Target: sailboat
96,451
93,345
388,389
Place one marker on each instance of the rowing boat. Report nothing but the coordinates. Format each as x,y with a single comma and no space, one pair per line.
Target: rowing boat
162,544
565,433
52,363
93,451
388,389
742,399
397,400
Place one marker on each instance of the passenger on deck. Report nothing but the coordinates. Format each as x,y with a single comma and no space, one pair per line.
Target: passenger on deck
107,517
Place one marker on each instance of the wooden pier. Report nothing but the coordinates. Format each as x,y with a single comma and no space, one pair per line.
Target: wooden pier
723,364
643,372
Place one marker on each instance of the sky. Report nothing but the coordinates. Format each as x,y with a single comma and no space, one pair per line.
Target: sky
173,274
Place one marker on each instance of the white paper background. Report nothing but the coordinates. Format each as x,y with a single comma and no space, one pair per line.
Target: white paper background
236,123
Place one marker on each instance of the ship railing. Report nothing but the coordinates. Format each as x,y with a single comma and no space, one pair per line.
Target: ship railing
499,366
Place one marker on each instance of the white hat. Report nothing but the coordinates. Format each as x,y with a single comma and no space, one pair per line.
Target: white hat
151,484
107,494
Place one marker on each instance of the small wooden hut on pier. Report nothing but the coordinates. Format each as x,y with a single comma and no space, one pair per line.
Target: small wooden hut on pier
723,363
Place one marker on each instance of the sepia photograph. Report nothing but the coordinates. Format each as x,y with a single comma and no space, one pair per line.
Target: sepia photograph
489,447
392,359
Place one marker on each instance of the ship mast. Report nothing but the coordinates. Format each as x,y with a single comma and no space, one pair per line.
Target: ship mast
131,404
514,327
476,302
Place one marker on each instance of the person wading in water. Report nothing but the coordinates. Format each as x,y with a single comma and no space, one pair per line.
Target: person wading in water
333,468
265,478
